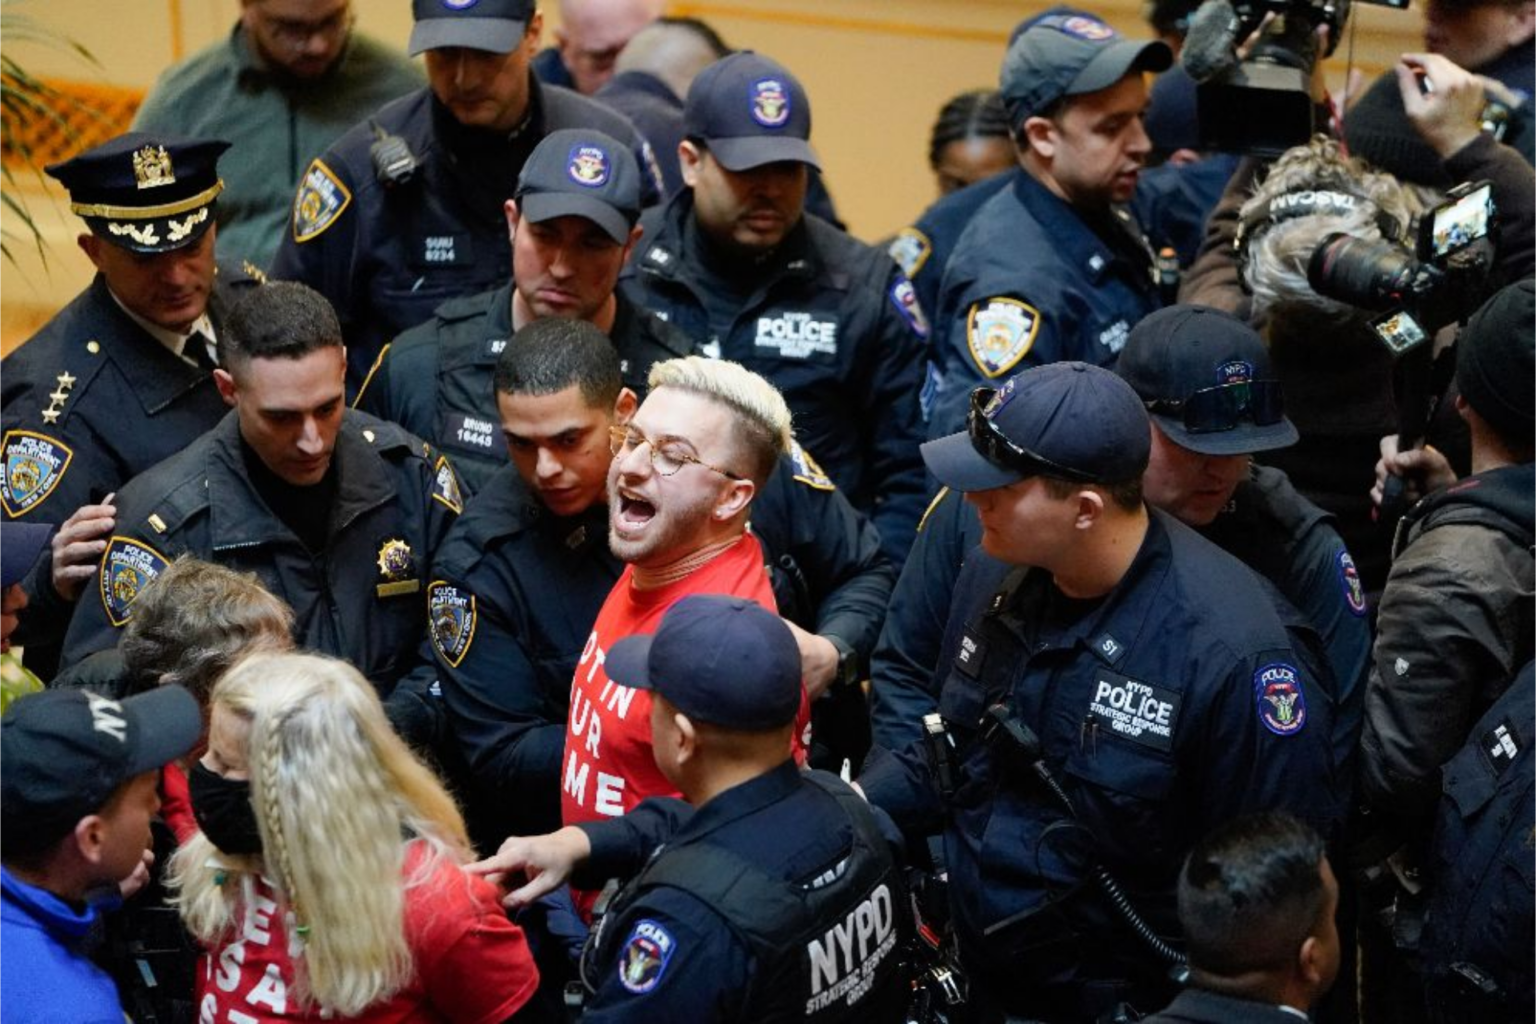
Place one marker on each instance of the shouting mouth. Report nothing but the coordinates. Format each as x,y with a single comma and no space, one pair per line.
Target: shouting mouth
633,513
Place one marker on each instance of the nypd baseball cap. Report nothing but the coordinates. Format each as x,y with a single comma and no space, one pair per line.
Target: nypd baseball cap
750,111
20,544
1071,421
722,660
576,172
144,192
496,26
1206,378
1069,54
63,753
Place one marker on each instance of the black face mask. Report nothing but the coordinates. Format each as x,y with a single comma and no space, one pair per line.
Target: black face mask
223,811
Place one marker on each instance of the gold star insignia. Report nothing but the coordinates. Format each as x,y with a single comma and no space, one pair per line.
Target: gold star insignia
60,396
50,415
66,380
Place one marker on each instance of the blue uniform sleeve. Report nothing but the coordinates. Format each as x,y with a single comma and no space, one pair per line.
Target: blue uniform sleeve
501,714
892,416
1335,605
904,686
677,961
621,846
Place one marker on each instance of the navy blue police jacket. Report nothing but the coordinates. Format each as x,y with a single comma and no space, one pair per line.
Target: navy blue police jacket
92,400
833,325
1031,282
516,589
360,598
1267,525
436,379
665,953
1179,700
387,256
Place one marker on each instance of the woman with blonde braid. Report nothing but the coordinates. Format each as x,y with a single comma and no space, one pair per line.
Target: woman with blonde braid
326,880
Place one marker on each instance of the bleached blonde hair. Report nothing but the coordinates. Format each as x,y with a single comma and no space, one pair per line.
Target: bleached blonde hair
763,422
1276,265
334,790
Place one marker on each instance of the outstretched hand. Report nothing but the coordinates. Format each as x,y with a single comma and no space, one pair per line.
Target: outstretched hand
541,863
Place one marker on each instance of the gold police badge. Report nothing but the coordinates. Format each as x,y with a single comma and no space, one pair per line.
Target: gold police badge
397,568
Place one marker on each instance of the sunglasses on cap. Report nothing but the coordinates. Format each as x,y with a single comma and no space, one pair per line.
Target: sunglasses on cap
993,445
1225,406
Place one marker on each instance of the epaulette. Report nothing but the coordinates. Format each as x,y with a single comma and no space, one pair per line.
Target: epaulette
185,499
82,361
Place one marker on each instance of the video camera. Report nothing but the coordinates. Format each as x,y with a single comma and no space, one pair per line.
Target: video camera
1260,105
1418,293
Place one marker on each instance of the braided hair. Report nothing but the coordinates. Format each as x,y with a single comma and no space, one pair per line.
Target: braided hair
976,114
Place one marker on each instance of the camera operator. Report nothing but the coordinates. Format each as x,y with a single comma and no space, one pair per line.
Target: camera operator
1456,618
1493,39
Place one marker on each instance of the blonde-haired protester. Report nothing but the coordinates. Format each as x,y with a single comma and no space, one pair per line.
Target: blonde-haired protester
327,880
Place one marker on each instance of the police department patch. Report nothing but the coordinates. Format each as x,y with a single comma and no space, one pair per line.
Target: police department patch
445,485
1134,710
588,166
34,465
1091,29
452,614
1278,695
127,567
770,103
1349,577
644,957
320,201
904,297
910,249
806,470
1234,371
1000,332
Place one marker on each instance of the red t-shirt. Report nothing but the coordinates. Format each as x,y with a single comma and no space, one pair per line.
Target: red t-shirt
607,767
176,802
472,963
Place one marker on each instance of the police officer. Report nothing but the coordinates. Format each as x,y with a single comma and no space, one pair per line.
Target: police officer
779,897
1051,267
1106,647
120,378
521,576
405,210
1207,380
336,512
572,224
735,261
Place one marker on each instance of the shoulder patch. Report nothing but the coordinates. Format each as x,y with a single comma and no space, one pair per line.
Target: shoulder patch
320,201
127,567
34,465
910,249
806,470
643,960
445,485
451,612
904,298
1278,696
1349,579
1000,332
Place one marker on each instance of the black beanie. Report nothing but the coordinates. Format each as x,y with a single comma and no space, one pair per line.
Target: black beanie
1496,361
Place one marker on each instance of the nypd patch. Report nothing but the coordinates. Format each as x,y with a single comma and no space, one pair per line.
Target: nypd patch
1091,29
910,249
770,103
1349,579
588,166
1134,710
452,614
1278,695
320,201
127,567
904,298
1000,332
1234,371
445,485
806,470
34,465
645,955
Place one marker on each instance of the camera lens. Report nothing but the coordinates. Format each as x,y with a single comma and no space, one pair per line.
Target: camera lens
1360,272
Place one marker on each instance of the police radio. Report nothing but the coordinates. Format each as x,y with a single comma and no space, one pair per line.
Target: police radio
393,162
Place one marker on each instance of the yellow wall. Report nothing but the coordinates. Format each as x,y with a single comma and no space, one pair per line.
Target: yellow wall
877,72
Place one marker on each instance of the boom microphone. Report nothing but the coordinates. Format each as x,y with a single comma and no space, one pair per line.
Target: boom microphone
1210,45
